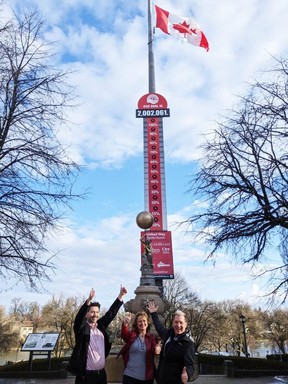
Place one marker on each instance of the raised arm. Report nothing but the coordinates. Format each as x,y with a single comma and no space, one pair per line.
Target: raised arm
161,330
122,293
112,311
90,297
79,318
125,332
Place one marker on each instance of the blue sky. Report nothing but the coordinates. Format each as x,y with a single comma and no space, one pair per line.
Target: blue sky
105,42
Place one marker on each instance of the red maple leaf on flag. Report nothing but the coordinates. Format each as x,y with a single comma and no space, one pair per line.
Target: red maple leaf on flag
184,28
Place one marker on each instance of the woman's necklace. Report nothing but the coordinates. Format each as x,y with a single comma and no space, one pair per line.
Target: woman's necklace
142,342
142,337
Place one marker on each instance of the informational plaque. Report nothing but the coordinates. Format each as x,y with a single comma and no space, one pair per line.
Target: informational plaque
40,342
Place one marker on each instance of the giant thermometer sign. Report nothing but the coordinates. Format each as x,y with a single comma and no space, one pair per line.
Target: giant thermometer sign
152,107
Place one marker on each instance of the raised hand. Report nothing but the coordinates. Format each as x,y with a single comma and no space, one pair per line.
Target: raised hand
127,318
152,307
122,293
91,296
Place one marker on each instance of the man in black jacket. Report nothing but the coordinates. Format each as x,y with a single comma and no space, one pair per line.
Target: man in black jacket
178,350
92,343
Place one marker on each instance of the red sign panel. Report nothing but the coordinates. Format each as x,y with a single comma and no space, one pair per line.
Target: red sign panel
152,101
162,255
152,107
154,173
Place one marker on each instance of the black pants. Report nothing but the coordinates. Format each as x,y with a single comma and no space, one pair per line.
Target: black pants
131,380
92,377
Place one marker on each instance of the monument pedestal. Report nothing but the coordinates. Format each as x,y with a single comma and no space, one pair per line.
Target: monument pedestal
145,293
147,290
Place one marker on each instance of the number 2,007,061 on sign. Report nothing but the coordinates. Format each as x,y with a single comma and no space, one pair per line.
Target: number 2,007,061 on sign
165,112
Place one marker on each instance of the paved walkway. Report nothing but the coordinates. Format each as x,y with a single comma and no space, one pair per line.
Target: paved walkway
204,379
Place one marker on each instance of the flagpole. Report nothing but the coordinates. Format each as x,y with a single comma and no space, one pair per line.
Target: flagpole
151,68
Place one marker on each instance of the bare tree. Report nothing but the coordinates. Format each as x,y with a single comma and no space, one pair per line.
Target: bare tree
58,316
276,329
21,311
8,337
215,327
177,295
243,178
36,175
202,319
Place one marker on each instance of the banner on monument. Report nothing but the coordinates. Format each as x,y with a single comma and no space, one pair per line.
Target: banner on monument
162,255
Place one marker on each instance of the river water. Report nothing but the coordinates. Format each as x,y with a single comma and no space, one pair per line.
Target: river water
13,357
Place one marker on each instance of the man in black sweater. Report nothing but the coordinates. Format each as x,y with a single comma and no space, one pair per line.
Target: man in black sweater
92,343
178,351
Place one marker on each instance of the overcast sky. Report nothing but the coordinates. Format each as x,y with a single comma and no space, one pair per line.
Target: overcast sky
105,42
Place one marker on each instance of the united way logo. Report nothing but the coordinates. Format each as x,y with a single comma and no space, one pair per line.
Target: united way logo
152,99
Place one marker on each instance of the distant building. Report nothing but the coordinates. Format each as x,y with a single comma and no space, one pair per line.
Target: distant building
23,328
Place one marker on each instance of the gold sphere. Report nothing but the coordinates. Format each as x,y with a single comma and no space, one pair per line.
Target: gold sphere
144,220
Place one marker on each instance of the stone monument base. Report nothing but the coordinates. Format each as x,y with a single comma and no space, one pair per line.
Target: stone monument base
144,293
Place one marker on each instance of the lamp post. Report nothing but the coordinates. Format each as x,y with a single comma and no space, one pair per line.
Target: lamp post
242,319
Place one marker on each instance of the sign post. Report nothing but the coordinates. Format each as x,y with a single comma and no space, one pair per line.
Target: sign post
40,344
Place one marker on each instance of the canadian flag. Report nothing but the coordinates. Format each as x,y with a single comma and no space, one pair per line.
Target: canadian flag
183,28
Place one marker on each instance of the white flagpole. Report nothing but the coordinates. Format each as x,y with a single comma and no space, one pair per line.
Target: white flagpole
151,68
